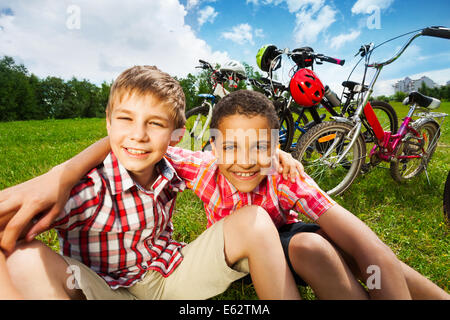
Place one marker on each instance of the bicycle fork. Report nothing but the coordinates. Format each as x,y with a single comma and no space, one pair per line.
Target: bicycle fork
355,132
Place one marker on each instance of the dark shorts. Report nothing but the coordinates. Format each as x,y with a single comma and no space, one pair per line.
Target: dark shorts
286,233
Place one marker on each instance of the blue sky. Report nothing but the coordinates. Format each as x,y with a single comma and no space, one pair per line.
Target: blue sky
97,39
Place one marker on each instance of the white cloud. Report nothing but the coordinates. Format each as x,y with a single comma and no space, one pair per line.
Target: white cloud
365,6
310,24
207,14
240,34
192,4
259,33
341,39
113,35
296,5
312,17
293,5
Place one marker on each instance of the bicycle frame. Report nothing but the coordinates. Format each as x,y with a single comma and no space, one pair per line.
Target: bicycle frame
364,99
390,142
207,122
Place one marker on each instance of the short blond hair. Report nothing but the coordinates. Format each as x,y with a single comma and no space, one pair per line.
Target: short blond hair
149,80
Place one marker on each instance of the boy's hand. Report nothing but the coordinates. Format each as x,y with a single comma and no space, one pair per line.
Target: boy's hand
288,166
41,198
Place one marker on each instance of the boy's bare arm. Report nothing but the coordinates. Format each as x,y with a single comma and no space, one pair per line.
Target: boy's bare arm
43,197
356,239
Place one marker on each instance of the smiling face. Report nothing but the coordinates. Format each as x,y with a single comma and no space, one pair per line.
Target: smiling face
140,128
244,150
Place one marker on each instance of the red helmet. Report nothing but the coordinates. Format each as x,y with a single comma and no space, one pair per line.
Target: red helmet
306,88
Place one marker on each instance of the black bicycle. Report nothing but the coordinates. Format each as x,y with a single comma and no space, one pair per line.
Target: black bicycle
447,198
294,118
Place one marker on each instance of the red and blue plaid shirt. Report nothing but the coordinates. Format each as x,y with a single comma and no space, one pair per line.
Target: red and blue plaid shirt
281,198
117,228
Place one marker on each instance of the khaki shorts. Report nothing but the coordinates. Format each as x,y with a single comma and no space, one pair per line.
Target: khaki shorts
202,274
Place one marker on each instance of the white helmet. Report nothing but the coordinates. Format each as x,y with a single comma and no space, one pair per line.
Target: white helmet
234,67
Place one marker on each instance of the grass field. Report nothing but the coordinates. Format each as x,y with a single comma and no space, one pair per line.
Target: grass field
406,217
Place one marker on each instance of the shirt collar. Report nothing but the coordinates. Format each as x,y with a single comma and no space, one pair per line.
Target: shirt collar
120,179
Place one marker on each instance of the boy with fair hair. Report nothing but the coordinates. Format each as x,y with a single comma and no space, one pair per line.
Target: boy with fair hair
116,229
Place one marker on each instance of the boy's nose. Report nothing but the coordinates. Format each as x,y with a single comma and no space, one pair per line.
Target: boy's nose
139,133
246,159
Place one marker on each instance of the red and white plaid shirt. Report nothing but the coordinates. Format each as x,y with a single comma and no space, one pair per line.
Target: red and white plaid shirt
117,228
281,198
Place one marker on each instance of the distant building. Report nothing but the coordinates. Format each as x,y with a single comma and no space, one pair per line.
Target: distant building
408,85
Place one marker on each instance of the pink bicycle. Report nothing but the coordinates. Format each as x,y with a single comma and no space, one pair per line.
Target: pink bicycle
334,152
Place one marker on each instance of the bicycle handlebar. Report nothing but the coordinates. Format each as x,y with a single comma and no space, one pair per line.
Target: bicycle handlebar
315,56
437,31
329,59
205,65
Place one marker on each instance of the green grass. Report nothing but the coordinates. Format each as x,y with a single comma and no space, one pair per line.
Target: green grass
408,217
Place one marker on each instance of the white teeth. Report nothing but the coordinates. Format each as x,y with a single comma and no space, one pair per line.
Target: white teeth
243,174
134,151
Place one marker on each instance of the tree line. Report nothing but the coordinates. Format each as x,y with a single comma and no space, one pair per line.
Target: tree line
24,96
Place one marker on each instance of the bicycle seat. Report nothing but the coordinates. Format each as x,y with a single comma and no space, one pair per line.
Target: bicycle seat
422,100
276,85
207,96
354,86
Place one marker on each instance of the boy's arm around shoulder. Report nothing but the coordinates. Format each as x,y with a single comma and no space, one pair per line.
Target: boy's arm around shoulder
45,195
187,163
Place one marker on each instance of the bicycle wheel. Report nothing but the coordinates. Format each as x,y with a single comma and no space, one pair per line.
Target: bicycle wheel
286,130
197,129
387,117
447,198
426,140
300,122
319,149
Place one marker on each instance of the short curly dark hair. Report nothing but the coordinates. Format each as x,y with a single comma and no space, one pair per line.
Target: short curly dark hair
245,102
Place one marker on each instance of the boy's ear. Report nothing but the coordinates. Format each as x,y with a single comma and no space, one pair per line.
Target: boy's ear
213,147
177,135
108,124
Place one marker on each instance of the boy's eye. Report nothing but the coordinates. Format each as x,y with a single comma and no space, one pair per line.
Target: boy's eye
124,118
228,147
262,147
154,123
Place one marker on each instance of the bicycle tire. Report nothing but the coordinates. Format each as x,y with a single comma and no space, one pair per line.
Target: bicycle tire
447,198
312,146
286,132
386,108
191,139
299,122
405,169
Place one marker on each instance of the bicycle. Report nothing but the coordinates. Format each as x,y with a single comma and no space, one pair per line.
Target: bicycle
199,118
333,152
306,58
446,198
